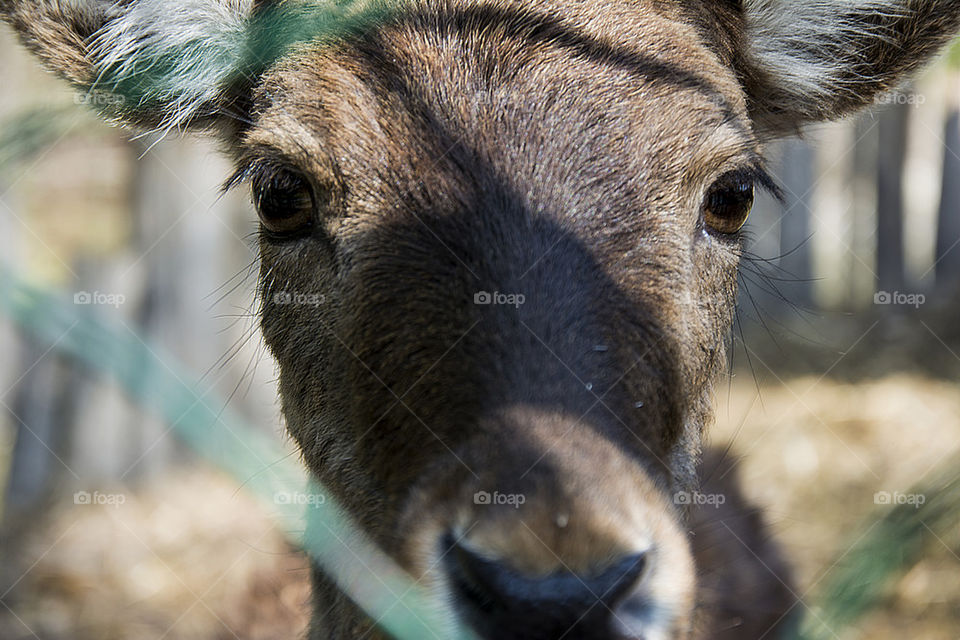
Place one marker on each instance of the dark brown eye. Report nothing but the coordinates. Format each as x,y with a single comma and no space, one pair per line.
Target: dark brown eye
284,201
728,202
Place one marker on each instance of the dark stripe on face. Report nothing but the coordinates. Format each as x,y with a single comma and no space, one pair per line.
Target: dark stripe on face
485,22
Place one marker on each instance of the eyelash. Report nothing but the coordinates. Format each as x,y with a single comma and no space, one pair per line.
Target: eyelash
763,179
247,172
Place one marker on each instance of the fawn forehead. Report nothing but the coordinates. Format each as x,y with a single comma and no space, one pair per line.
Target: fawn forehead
652,115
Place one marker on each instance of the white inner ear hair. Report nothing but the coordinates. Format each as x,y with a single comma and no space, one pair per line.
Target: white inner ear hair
179,55
808,45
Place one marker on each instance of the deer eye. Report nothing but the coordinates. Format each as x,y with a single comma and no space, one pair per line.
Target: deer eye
284,202
728,202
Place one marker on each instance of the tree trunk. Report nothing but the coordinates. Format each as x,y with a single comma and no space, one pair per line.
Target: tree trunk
948,218
795,225
893,130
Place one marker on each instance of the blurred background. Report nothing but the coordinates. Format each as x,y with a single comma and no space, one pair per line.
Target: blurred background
126,302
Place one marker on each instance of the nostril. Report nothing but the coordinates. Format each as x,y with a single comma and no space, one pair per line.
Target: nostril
501,602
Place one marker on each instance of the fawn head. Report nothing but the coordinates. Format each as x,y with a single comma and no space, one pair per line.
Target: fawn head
499,252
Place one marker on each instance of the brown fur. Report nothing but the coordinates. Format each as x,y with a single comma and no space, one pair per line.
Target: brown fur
560,150
57,33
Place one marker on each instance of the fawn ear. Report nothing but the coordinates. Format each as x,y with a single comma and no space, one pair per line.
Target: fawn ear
811,60
151,63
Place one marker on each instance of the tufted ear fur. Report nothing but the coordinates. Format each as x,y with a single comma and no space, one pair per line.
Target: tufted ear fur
149,62
172,64
811,60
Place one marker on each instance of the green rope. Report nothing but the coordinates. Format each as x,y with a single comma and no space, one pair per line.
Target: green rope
897,537
155,76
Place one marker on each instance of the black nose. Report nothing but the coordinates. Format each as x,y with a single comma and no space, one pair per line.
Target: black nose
500,603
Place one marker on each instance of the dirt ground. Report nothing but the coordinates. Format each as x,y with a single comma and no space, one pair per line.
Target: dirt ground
814,454
195,559
198,559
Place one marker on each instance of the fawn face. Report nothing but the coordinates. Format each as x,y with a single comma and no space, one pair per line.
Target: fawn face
515,268
499,254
